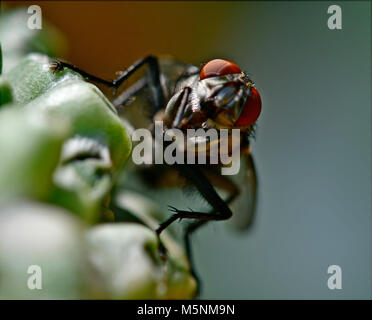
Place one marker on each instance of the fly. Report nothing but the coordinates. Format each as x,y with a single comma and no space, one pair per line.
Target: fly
218,95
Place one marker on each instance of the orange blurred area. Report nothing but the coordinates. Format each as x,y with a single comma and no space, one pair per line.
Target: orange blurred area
104,37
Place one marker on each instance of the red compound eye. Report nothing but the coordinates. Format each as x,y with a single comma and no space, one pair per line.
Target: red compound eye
251,111
218,67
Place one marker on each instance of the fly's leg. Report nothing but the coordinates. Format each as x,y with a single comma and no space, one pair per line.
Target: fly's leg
221,210
193,226
154,84
189,230
58,65
127,94
182,103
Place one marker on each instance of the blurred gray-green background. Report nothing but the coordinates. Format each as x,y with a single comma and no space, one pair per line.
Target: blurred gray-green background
313,146
313,154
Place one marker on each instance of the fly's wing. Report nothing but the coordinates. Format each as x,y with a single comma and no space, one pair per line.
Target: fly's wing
244,206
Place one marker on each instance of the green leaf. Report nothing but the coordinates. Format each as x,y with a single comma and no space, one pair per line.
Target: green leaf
97,144
30,146
125,264
45,236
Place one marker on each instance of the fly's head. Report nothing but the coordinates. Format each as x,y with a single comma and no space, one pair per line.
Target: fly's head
227,96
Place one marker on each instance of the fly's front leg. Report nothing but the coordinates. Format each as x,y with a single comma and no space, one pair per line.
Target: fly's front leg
58,66
176,106
154,83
